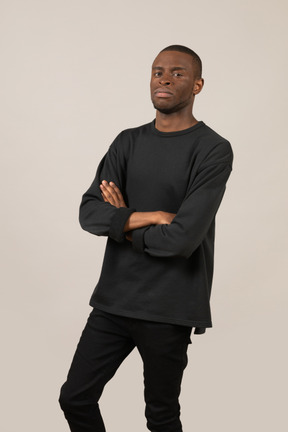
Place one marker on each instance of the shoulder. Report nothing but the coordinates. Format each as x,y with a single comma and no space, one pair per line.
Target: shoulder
214,146
128,136
135,131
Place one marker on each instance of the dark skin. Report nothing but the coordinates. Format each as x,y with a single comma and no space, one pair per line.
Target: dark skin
173,85
112,194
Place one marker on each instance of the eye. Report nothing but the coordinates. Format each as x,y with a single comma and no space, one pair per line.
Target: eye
157,74
178,74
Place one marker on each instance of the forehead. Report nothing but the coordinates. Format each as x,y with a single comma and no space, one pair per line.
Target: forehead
173,59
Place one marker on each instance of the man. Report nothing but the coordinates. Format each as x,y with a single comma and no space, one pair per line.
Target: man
155,196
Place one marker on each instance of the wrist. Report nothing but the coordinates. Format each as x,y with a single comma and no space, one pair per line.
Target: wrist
156,217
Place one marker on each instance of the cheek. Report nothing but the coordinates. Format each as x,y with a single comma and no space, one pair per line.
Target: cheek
187,92
152,87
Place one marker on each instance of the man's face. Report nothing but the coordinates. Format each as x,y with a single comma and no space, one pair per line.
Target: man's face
173,84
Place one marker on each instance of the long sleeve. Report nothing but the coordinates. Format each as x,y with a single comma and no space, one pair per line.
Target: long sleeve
98,216
196,213
165,273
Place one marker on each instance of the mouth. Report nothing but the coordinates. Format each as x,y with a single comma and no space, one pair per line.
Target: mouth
162,93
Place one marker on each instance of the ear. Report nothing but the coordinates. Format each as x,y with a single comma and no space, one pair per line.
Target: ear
198,85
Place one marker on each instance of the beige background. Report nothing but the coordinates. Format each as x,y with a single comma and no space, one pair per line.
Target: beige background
73,75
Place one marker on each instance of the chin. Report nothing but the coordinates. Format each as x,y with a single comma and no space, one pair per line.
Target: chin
165,110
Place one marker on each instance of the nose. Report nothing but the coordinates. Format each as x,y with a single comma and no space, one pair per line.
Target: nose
164,80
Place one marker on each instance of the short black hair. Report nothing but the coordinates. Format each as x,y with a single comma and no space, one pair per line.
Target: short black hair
196,59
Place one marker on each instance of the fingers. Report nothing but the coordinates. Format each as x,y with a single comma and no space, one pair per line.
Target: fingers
112,194
108,193
117,191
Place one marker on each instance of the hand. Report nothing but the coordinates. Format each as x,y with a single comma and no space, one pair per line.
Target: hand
112,194
165,217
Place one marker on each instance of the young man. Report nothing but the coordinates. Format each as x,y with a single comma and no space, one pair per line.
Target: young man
155,196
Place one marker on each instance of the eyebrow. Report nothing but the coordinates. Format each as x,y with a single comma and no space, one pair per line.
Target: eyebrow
173,68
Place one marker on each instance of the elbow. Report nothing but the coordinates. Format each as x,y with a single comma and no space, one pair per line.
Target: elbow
179,241
187,249
183,246
184,251
83,220
83,223
93,228
90,222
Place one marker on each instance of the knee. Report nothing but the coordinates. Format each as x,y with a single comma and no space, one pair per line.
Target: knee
73,399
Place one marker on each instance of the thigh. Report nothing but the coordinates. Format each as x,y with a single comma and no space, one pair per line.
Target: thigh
163,348
103,345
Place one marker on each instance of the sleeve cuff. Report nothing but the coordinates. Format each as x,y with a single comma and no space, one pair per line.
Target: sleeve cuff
118,222
138,243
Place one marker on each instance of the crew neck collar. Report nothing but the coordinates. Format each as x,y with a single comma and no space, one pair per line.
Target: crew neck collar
175,133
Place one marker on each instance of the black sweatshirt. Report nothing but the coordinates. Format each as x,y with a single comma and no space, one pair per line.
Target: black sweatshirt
165,273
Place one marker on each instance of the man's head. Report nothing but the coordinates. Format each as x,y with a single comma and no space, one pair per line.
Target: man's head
176,78
197,63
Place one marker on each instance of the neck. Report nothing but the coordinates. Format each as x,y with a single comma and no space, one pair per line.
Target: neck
174,122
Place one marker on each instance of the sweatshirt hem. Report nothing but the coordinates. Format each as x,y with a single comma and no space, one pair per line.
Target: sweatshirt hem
198,324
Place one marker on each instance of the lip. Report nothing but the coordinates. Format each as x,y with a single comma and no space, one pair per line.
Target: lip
162,93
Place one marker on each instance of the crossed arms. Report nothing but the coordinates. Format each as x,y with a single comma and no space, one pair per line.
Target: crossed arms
112,194
103,210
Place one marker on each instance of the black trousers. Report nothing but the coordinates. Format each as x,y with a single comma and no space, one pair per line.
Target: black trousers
105,342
